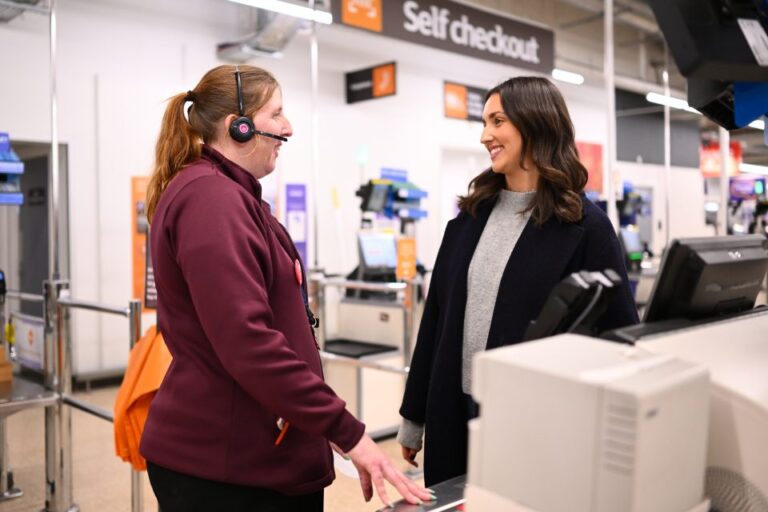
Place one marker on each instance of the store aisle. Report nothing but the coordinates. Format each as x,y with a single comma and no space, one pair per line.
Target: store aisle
101,480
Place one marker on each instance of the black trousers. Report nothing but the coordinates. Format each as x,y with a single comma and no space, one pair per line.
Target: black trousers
178,492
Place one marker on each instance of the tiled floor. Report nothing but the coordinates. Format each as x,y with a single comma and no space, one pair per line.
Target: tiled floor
101,480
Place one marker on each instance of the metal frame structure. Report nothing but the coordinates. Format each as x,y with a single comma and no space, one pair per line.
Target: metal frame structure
318,284
57,393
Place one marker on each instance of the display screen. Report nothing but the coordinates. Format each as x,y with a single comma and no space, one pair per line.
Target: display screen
630,239
377,200
747,188
378,250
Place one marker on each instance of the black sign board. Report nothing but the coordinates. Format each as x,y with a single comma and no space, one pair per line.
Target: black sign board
370,83
453,27
463,101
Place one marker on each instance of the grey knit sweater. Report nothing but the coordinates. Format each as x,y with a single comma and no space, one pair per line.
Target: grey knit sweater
499,238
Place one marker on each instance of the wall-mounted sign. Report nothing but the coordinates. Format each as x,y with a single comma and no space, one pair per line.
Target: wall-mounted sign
29,339
453,27
143,277
296,217
591,156
369,83
709,159
463,101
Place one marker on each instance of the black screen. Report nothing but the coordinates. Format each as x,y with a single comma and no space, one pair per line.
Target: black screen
707,277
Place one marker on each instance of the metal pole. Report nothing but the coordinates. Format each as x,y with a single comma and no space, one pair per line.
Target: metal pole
667,152
725,156
7,489
53,210
313,61
58,417
610,95
134,329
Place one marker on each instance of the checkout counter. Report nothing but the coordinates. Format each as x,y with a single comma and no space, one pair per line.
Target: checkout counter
673,418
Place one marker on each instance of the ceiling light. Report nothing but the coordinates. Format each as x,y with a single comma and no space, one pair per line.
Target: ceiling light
567,76
757,123
753,169
298,11
669,101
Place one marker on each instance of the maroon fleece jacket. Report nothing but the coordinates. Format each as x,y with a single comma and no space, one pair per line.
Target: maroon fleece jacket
231,311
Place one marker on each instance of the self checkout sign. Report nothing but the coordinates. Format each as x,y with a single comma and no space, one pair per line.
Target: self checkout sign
454,27
376,82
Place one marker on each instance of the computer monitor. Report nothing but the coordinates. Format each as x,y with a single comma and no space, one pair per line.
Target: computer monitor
630,241
377,251
746,187
374,196
716,45
707,277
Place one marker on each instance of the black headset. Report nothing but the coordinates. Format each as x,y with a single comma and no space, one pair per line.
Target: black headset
242,129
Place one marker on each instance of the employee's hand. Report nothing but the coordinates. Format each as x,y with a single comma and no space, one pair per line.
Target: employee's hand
375,467
409,454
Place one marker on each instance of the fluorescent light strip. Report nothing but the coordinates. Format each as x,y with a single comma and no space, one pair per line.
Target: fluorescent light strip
753,169
661,99
297,11
567,76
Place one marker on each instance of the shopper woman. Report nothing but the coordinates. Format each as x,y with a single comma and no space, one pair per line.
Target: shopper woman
243,419
524,225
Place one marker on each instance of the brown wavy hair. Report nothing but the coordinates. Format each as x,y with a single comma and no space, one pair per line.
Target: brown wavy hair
215,97
537,109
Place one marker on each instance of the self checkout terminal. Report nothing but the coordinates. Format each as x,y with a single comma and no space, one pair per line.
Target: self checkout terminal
372,324
681,399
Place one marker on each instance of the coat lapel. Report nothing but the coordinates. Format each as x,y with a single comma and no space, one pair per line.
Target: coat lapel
535,266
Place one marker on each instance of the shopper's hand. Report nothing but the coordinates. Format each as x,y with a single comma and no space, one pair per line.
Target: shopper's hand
375,467
409,454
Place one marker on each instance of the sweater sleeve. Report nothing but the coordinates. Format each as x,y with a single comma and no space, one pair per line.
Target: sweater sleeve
410,434
223,253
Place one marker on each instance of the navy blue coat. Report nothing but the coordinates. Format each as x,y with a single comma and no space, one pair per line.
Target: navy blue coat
542,257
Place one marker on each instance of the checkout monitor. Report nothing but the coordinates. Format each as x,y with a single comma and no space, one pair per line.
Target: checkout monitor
378,253
633,246
708,277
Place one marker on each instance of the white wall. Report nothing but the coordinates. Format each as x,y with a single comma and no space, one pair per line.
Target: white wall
118,64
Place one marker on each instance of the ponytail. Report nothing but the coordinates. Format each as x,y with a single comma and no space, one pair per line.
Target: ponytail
177,145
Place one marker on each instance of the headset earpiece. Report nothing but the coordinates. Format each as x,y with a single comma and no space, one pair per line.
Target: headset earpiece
241,129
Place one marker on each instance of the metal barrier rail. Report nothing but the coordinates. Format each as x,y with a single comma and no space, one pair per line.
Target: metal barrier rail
24,297
95,306
86,407
364,285
57,372
328,356
63,302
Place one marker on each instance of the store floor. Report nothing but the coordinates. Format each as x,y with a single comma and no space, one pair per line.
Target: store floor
102,482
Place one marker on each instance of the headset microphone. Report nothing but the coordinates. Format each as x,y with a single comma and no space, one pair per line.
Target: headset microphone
270,135
242,129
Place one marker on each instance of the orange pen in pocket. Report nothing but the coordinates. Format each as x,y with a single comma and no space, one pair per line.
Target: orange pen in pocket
283,426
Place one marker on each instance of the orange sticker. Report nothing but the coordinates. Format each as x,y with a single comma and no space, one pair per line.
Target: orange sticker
406,258
384,80
455,101
365,14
